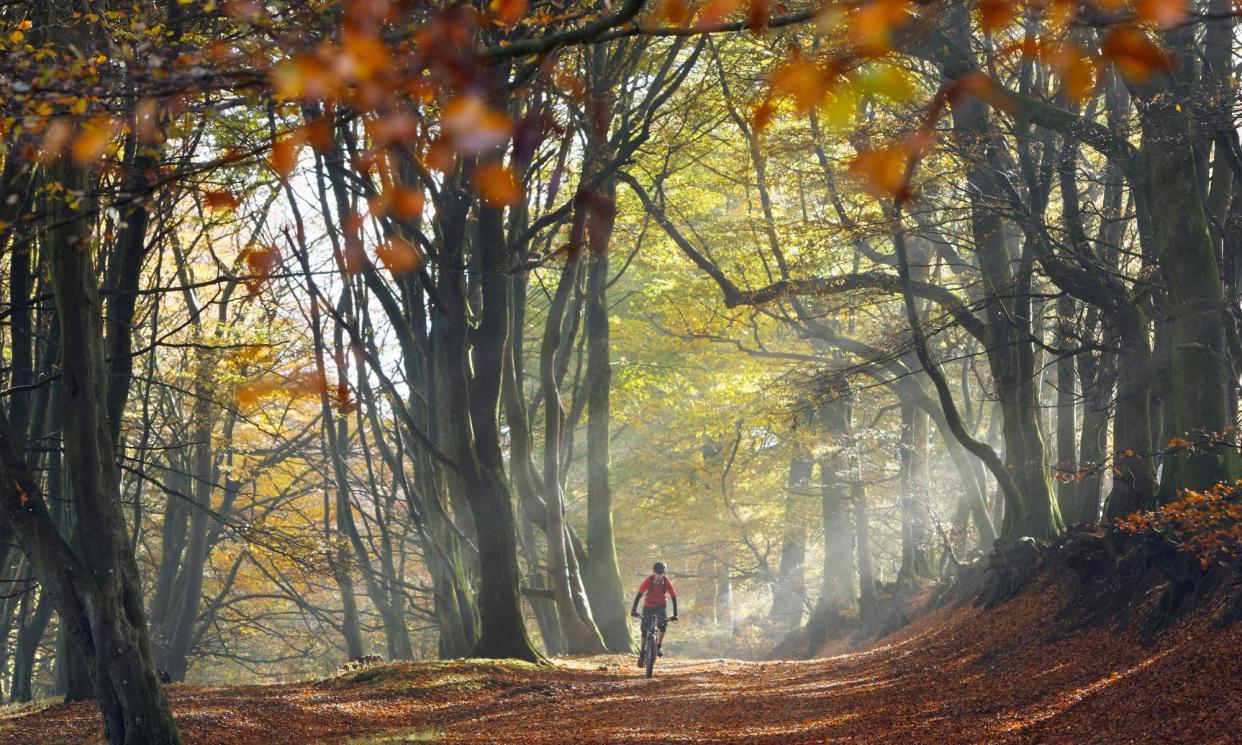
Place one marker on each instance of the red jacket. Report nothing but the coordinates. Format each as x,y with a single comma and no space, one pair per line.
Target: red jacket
656,591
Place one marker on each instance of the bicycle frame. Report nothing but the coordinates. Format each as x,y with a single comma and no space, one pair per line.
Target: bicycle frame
649,645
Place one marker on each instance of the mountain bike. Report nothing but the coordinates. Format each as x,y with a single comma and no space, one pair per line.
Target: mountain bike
650,646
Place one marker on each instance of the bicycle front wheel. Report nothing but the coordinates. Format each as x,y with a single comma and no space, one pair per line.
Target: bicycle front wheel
650,652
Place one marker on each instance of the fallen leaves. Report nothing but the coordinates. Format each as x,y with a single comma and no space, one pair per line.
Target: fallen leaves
956,675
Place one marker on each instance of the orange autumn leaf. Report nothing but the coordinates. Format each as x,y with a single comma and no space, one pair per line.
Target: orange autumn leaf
55,139
882,169
673,12
398,255
762,115
220,199
1060,13
91,142
308,78
260,263
872,24
250,393
439,156
757,15
716,11
508,11
805,82
284,156
318,133
365,55
995,15
353,258
1162,13
146,122
496,185
305,383
407,204
1079,79
1076,69
1136,56
473,127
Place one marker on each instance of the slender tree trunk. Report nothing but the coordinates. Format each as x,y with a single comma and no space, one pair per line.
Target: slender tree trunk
789,590
580,632
29,636
1068,493
1134,466
603,577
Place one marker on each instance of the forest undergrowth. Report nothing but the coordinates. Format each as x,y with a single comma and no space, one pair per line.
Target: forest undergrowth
1077,655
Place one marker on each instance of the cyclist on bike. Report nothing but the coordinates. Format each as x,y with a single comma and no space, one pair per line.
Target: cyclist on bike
655,587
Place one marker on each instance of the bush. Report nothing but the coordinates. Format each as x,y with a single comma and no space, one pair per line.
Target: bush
1207,524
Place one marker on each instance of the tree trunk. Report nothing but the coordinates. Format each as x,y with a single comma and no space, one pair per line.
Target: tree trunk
1067,442
1199,372
789,590
99,595
915,559
29,636
502,631
603,577
580,631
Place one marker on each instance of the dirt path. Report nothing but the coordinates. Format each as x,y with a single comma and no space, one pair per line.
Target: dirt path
959,676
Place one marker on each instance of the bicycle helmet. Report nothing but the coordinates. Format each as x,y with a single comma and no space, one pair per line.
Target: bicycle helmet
658,567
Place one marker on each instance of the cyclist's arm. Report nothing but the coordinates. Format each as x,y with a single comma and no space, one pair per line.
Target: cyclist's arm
634,607
672,594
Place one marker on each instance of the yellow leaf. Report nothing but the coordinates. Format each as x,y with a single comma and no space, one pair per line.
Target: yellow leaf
840,106
886,80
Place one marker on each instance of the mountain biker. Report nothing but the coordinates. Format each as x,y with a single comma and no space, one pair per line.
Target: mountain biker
655,587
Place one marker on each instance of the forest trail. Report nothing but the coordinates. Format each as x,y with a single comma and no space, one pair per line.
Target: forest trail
954,676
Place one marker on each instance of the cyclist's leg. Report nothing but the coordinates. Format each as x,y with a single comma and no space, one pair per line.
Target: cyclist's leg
661,617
